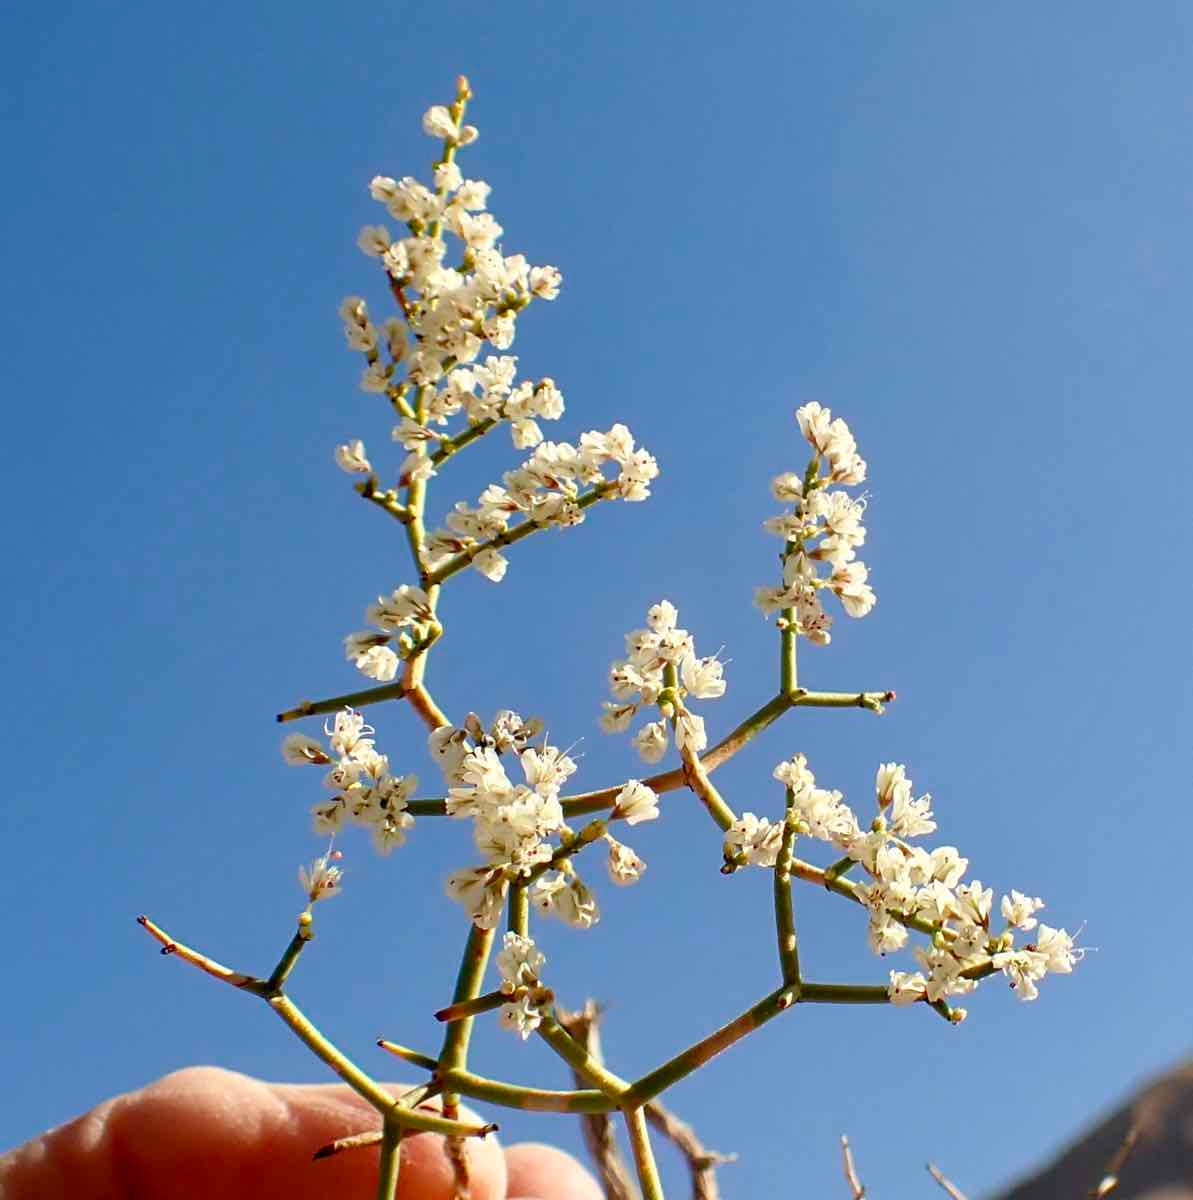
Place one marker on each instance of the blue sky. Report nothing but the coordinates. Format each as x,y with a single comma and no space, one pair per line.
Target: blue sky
966,228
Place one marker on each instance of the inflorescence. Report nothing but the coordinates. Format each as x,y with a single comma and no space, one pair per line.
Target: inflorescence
440,362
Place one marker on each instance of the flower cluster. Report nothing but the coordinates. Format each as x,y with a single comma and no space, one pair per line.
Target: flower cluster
520,963
512,822
908,885
406,608
546,490
822,526
661,668
364,789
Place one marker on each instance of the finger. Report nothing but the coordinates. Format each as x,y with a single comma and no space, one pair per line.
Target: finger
540,1172
205,1132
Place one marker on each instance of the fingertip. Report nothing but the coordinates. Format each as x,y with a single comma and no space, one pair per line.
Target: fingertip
536,1170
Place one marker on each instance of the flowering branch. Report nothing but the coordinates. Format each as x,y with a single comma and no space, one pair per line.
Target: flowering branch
431,361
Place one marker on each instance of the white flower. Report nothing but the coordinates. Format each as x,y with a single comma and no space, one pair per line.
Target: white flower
891,779
473,194
519,961
417,465
351,458
617,717
795,774
545,281
849,583
635,803
438,122
565,898
321,880
1017,910
1024,969
755,838
378,662
447,176
1056,948
814,421
625,867
975,902
481,890
350,736
702,677
406,605
575,905
689,733
651,740
906,988
911,817
374,240
299,750
520,1016
491,564
546,770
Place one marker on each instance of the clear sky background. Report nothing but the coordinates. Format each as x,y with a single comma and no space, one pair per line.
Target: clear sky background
965,227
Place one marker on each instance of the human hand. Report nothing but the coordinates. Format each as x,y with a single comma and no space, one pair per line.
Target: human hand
205,1132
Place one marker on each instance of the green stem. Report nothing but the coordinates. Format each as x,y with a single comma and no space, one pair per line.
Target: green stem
874,701
286,963
519,908
313,708
391,1161
840,868
648,1172
509,1095
472,1008
468,986
387,501
576,1056
788,674
784,912
361,1083
458,562
695,1056
843,993
465,438
706,791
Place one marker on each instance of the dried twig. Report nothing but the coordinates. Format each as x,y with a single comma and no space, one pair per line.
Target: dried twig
702,1162
599,1127
1115,1165
857,1190
599,1131
947,1184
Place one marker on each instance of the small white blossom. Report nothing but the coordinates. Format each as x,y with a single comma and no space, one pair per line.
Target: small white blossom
321,880
755,838
519,962
1017,910
378,662
491,564
521,1016
651,741
545,282
635,803
374,240
481,890
625,867
300,750
351,458
906,988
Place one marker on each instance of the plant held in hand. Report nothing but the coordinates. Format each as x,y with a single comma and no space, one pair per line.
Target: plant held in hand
440,366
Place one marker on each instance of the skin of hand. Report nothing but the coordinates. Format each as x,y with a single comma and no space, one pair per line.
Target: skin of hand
205,1132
